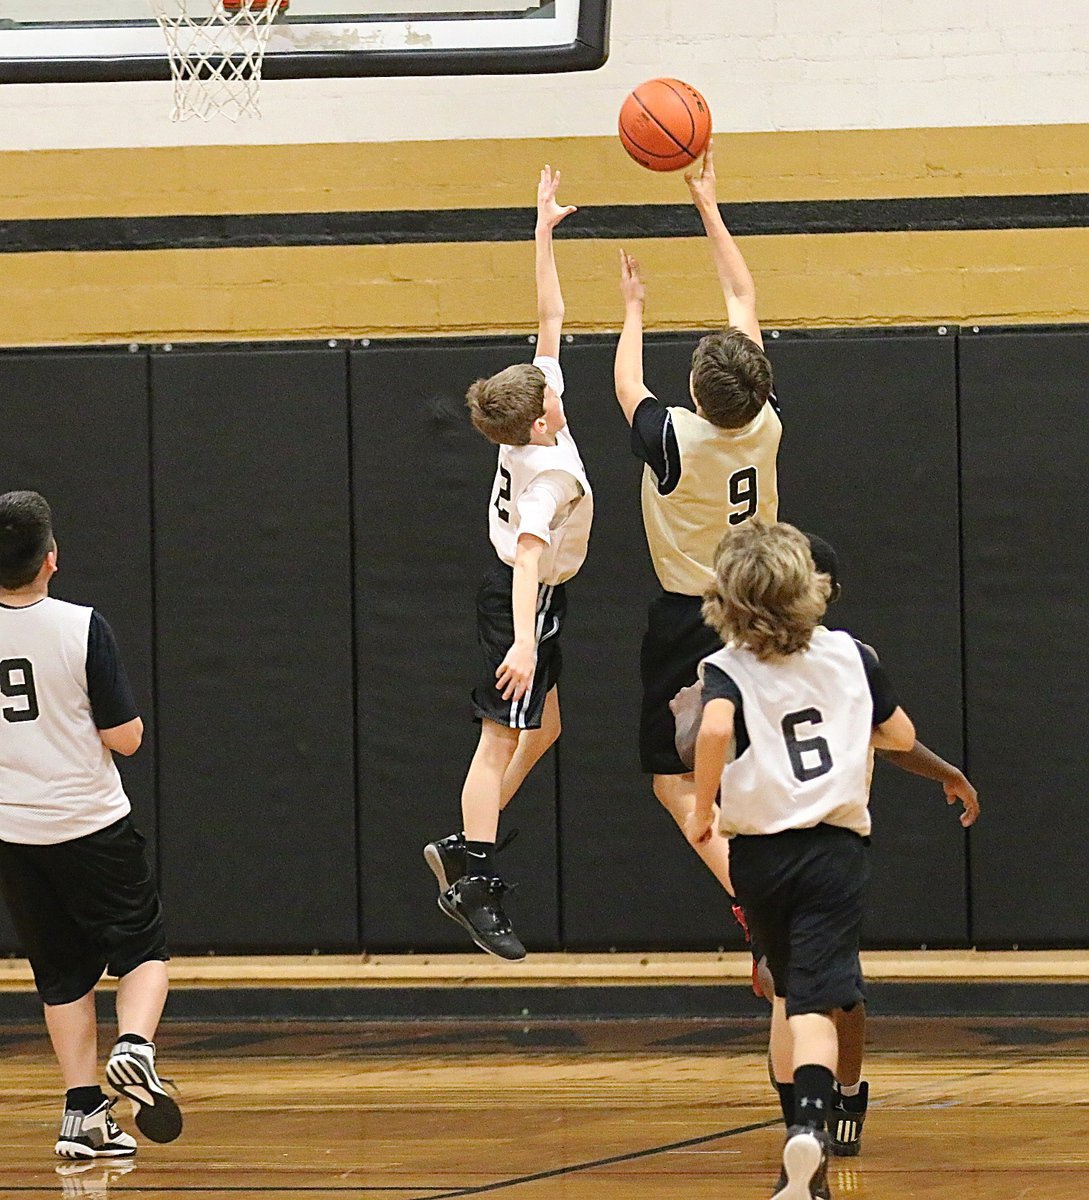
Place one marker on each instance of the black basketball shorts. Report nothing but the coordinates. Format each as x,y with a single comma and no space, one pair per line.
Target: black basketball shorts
803,892
495,634
82,907
674,645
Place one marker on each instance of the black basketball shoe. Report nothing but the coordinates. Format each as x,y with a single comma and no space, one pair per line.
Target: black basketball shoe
446,858
805,1166
476,902
846,1121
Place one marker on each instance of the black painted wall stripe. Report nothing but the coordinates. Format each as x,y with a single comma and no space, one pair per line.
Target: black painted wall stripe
619,221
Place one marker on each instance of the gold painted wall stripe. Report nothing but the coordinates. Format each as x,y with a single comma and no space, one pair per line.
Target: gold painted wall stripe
846,164
1039,275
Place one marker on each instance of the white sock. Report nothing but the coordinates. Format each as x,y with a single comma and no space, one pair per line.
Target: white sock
849,1089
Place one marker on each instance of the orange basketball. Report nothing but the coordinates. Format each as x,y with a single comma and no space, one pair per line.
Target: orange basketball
253,5
665,124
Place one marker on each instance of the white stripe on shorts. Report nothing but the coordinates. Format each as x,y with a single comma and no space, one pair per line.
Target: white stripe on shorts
518,707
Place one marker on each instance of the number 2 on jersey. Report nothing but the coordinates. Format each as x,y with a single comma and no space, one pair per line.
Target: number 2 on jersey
17,682
504,494
743,490
797,746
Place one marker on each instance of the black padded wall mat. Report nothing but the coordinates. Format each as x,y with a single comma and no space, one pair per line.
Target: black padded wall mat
1026,592
254,627
630,879
423,480
305,749
75,429
869,461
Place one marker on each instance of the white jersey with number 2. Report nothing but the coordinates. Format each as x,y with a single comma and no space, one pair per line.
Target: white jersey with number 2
543,490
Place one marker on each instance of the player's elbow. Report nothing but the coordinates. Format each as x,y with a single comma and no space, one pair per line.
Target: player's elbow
629,391
897,733
124,739
529,550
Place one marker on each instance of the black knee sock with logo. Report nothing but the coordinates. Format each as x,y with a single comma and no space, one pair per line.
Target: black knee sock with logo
813,1087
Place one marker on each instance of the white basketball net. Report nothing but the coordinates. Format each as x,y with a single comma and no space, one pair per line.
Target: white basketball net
216,54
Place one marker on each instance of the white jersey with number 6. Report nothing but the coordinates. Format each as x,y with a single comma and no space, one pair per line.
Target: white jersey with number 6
809,719
543,490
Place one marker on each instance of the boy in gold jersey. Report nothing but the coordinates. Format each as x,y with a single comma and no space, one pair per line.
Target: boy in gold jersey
705,471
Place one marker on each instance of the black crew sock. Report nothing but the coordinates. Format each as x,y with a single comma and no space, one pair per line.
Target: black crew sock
813,1086
786,1101
84,1099
136,1039
480,858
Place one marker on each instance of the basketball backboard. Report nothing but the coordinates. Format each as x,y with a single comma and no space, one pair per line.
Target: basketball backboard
72,41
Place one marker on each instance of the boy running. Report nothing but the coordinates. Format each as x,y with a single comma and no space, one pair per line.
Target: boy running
539,520
72,864
791,711
851,1098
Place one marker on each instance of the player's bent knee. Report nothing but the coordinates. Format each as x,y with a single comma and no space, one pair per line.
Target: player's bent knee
666,791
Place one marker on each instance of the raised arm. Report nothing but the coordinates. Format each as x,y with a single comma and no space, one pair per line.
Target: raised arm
738,288
628,364
549,296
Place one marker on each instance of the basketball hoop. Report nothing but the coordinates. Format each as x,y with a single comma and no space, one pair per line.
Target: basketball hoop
216,49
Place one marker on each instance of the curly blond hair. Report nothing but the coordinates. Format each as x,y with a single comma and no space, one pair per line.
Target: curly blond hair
767,594
504,407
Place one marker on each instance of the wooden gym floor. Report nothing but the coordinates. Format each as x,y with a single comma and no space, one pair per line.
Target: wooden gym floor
966,1108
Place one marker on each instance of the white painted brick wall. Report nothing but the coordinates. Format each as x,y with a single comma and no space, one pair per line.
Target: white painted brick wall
772,64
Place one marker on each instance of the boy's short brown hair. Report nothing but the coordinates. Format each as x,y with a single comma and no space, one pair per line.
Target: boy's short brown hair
731,378
26,537
504,407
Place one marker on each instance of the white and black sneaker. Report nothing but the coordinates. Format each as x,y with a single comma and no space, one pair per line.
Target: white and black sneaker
93,1135
131,1071
476,903
805,1166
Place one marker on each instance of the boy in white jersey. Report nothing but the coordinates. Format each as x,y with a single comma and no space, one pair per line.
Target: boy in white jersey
72,865
792,712
705,471
850,1100
539,521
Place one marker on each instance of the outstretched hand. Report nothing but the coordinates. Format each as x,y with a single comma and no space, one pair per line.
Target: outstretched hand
960,789
549,212
701,183
631,282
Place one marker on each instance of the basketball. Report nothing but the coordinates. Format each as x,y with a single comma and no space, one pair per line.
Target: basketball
254,5
665,124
